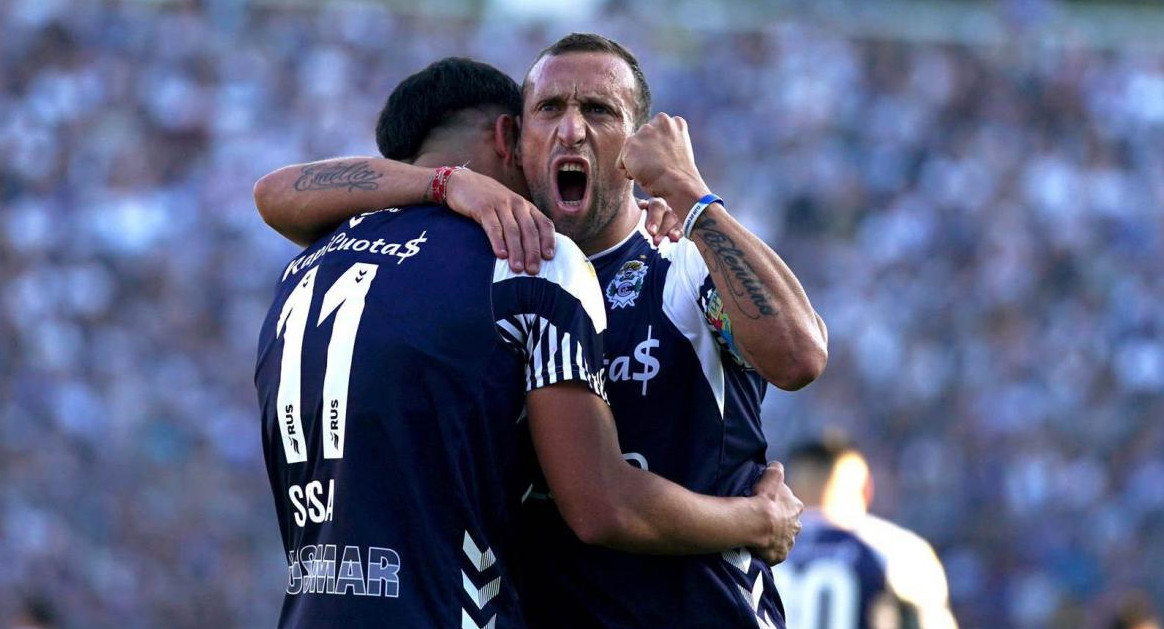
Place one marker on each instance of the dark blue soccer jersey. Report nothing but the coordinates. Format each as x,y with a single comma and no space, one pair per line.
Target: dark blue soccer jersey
871,574
687,409
392,374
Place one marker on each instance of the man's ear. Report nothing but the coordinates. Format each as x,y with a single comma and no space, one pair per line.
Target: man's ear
506,134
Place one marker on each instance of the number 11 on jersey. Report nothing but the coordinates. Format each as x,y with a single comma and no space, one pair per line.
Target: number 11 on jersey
345,299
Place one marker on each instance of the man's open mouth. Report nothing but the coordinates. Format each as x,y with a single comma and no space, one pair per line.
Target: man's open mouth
571,178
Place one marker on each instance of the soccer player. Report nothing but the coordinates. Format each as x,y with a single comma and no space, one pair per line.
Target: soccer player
395,370
851,569
696,328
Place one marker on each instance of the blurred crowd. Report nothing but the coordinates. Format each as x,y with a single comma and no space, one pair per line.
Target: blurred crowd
981,228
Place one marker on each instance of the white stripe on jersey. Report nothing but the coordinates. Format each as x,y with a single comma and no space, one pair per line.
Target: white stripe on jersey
552,335
567,364
511,334
539,351
546,349
572,272
685,276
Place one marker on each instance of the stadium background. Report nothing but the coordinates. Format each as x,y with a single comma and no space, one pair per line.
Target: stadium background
970,192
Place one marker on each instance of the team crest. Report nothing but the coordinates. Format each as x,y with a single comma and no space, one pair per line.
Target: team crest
624,289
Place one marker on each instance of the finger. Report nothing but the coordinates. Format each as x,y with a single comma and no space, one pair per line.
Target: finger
545,232
670,227
657,210
496,235
621,163
512,232
531,241
778,468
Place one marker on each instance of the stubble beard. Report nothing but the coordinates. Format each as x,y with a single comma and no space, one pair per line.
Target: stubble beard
588,226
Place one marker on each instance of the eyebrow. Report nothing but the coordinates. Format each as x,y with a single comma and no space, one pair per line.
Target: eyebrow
586,99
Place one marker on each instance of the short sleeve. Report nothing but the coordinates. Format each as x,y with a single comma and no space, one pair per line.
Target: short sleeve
555,319
689,285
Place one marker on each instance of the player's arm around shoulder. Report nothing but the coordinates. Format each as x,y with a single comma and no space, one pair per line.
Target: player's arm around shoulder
305,201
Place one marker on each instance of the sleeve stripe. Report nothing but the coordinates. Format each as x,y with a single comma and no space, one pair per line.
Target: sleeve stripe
567,364
548,349
551,364
539,352
511,333
681,306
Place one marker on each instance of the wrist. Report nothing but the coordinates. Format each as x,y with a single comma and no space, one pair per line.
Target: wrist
765,523
698,209
678,186
438,186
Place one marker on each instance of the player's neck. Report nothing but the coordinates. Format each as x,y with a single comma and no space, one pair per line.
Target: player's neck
625,221
434,158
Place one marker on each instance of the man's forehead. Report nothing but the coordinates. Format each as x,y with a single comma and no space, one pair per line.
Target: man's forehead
582,74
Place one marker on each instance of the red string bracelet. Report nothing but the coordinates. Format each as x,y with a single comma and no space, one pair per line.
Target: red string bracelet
440,183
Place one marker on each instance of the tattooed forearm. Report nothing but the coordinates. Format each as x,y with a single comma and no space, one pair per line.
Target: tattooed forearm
350,175
744,286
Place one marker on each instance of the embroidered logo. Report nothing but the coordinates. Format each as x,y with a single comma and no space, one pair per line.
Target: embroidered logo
624,289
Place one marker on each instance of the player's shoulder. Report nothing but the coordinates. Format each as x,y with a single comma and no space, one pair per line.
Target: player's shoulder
570,271
681,261
569,267
891,539
682,251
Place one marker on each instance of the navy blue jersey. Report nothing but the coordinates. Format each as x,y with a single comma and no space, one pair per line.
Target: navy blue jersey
871,574
392,374
688,409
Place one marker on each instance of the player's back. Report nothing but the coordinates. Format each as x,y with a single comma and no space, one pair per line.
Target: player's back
871,575
390,410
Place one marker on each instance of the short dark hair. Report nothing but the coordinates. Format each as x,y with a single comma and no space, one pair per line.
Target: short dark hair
434,96
589,42
824,454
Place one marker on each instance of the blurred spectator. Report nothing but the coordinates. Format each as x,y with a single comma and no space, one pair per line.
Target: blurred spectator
34,613
981,227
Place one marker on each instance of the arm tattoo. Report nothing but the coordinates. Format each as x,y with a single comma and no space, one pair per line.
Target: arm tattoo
350,175
744,287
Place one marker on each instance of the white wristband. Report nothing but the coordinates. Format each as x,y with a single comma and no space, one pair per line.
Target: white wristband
696,211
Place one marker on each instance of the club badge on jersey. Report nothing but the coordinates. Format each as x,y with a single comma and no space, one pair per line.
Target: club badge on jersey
626,285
